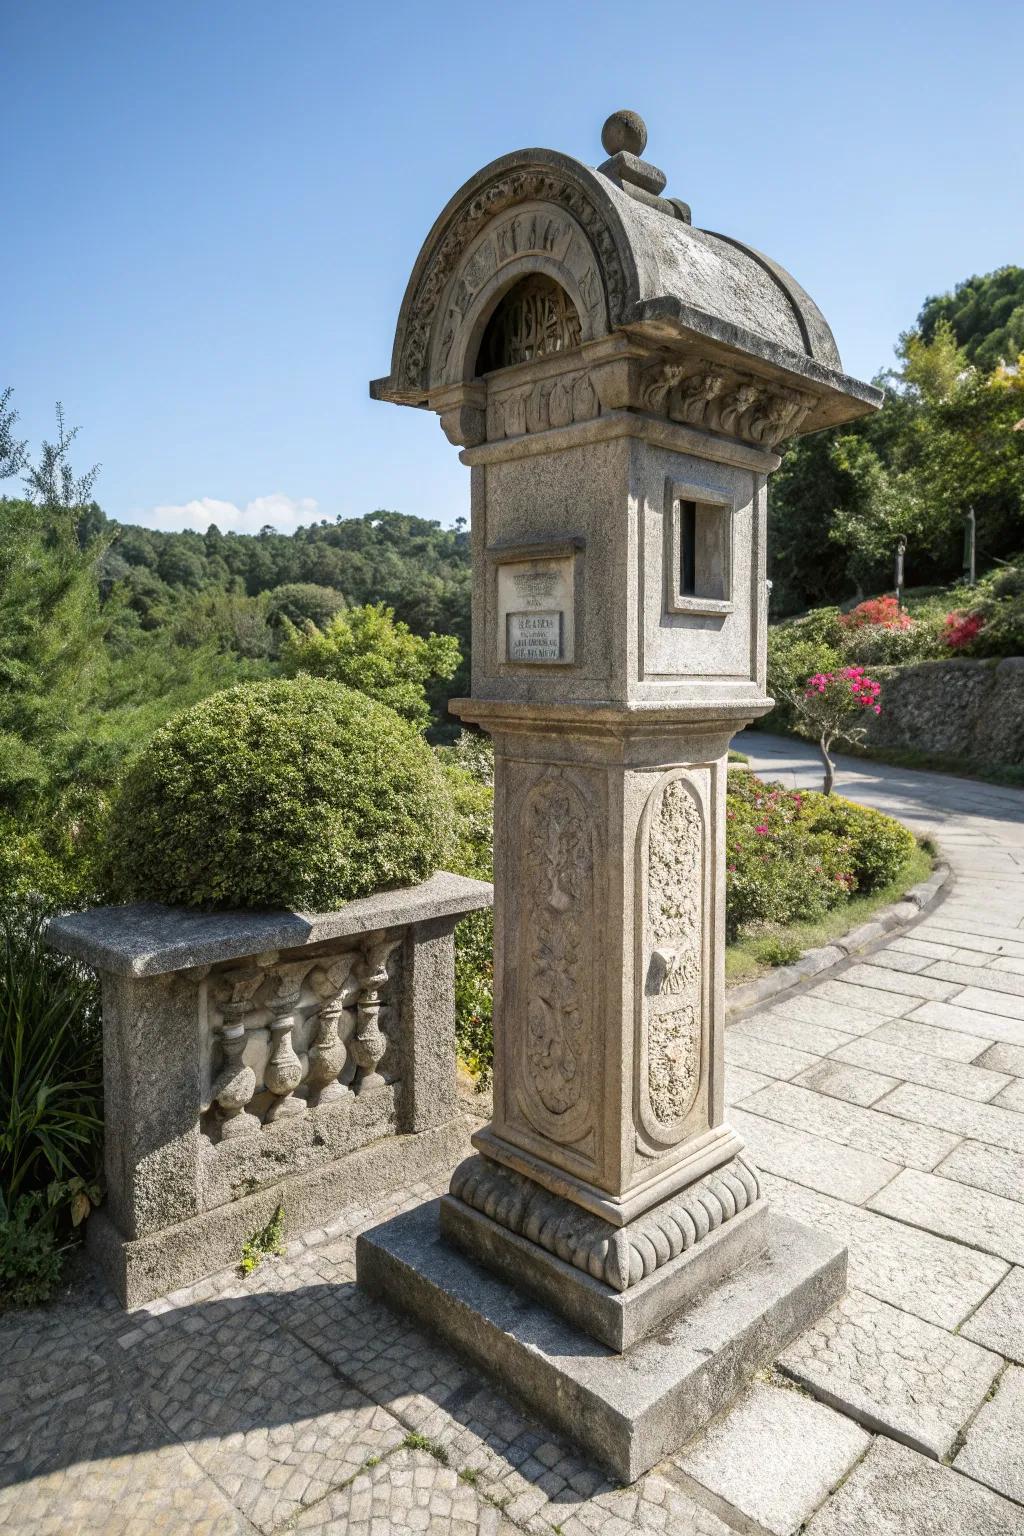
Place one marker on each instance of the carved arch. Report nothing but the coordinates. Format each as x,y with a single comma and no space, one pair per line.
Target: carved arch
563,190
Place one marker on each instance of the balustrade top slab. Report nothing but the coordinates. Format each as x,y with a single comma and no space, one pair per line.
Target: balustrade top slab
150,939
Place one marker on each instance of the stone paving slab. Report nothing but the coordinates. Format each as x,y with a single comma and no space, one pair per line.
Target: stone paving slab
940,1281
871,975
892,1372
964,1117
882,1135
999,1058
988,1000
740,1083
998,1324
822,1165
408,1491
94,1461
267,1419
914,1035
840,1080
1013,963
934,949
809,1448
957,1211
979,943
652,1504
970,1082
985,1167
969,1021
755,1054
897,1492
1012,1096
994,1449
894,958
781,1028
887,1004
988,977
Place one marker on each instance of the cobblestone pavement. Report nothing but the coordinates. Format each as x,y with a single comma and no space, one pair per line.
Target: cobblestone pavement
885,1104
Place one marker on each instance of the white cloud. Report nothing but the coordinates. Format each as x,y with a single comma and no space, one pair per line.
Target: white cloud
282,512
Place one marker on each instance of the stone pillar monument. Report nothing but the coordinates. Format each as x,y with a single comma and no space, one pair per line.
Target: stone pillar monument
619,382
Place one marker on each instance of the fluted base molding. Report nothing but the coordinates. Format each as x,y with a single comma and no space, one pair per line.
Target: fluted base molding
618,1284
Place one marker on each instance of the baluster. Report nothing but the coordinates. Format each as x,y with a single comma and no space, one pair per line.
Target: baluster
329,1054
283,1071
369,1042
236,1083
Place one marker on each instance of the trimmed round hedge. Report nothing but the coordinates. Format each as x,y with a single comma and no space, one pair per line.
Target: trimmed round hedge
299,793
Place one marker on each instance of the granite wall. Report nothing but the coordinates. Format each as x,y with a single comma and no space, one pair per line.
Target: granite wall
960,708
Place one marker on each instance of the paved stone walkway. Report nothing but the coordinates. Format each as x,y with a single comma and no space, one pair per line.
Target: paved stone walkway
885,1103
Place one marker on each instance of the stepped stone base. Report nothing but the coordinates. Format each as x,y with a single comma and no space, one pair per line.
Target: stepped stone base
617,1283
628,1410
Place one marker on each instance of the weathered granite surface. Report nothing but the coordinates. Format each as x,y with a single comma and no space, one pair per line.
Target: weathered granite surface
938,1280
998,1324
807,1447
896,1492
994,1449
628,1410
956,1210
892,1372
149,939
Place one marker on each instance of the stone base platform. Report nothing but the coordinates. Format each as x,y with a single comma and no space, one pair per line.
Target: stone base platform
616,1283
627,1410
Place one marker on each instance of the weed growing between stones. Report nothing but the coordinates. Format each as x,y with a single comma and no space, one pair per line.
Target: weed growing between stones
264,1244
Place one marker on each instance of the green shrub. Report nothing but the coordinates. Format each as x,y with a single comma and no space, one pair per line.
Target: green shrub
51,1108
776,871
792,857
31,1254
369,649
295,793
469,768
879,846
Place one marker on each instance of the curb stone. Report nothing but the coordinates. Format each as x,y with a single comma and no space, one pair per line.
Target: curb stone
746,995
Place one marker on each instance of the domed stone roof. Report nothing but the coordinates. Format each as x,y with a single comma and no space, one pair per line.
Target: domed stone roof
631,263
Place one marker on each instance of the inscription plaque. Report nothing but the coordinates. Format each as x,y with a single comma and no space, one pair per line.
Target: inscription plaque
535,610
534,636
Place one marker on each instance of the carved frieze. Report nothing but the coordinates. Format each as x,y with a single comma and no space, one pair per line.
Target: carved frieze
671,906
544,233
552,402
723,400
619,1256
556,962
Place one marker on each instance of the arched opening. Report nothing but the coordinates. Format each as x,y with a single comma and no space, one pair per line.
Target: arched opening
534,319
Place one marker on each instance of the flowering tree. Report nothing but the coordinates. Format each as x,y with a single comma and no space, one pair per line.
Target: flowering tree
828,705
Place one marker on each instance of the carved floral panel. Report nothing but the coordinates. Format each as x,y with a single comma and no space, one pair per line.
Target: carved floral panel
671,1009
556,961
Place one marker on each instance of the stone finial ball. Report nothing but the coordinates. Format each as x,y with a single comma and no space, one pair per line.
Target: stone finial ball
624,131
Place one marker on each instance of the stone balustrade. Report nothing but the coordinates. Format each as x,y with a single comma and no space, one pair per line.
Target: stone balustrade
257,1059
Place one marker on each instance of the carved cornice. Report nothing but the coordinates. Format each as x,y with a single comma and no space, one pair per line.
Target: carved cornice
550,185
618,1256
723,400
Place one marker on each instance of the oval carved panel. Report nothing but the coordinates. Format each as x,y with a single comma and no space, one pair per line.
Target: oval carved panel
671,914
556,961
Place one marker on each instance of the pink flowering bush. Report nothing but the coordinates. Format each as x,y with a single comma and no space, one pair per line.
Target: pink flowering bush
827,707
793,857
962,629
877,612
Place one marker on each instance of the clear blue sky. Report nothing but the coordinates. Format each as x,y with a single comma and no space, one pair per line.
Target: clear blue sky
211,207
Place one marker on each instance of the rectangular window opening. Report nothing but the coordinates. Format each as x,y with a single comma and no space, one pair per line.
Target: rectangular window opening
688,548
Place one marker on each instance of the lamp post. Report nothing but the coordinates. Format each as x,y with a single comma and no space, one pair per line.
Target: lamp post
970,532
901,550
